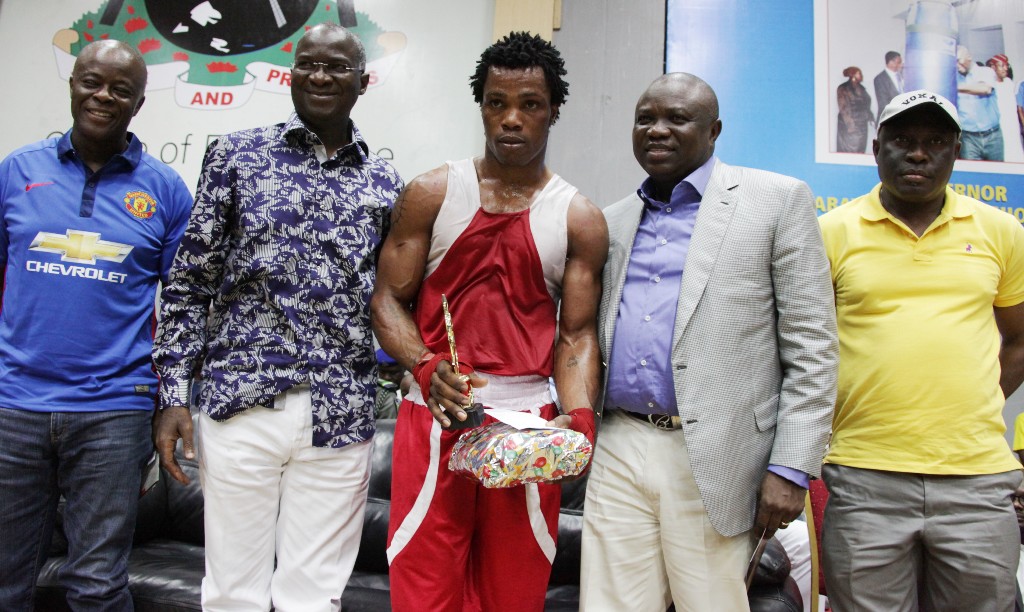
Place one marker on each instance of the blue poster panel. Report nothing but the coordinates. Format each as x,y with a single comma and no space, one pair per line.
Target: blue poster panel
799,82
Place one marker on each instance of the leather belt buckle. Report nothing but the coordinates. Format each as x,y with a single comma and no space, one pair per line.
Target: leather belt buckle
665,421
660,421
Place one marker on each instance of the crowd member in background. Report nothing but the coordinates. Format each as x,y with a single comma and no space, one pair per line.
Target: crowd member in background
854,113
389,386
721,379
1006,97
90,224
518,253
929,294
796,540
1018,505
282,244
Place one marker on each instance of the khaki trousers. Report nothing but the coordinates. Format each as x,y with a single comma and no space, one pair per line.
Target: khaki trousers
908,542
647,540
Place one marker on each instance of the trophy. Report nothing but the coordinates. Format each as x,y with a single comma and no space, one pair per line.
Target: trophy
475,411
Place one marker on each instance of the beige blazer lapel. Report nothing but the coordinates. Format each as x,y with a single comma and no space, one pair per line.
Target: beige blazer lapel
623,221
713,217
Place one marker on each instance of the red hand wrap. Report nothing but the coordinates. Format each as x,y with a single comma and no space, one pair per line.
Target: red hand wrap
583,422
427,365
423,370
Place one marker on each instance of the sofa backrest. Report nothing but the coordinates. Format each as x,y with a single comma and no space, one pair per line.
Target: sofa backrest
172,510
373,543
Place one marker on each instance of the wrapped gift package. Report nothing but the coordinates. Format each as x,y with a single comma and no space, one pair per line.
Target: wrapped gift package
501,456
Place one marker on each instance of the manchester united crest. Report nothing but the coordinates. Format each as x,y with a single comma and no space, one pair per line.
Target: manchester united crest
140,204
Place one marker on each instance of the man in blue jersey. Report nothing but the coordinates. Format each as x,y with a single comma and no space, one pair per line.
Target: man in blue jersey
90,224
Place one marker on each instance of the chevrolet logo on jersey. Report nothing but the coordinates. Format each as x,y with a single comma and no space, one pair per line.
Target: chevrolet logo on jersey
80,247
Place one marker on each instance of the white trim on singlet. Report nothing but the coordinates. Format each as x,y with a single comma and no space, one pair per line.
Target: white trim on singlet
549,213
523,393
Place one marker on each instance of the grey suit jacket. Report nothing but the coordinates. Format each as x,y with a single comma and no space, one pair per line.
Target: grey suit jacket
754,350
885,91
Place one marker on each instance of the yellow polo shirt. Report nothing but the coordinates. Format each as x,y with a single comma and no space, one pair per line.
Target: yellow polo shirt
918,345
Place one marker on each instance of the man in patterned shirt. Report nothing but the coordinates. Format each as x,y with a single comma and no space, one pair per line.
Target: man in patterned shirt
518,253
270,289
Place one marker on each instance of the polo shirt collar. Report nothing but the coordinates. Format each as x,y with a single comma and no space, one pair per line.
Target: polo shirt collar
130,156
952,207
297,133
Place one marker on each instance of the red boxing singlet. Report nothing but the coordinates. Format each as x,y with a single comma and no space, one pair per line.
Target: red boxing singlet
502,284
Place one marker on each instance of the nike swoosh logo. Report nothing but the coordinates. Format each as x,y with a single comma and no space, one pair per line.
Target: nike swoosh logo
32,186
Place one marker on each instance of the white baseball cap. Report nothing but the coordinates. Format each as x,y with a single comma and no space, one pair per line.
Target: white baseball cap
913,99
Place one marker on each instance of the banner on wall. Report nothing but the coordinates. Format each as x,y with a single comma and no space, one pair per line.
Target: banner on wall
215,57
796,82
220,65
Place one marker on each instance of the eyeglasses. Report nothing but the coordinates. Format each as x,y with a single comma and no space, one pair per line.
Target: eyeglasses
331,69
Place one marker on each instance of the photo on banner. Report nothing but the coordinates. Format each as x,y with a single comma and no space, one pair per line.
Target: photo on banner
796,82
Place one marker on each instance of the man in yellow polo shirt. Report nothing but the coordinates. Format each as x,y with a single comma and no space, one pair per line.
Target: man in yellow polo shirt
929,289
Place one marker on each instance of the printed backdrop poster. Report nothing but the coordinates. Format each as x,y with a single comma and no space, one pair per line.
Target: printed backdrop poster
217,66
777,68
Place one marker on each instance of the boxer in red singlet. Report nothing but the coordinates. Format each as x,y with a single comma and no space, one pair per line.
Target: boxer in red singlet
518,252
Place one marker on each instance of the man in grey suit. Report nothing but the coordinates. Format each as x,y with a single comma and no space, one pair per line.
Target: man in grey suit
889,82
718,327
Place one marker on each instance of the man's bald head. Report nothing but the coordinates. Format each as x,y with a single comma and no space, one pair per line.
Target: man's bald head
108,86
675,128
684,84
333,33
110,50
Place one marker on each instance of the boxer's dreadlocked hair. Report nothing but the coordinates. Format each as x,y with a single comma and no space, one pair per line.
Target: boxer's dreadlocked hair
521,50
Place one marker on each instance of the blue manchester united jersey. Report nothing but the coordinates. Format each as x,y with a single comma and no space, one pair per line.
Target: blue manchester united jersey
84,252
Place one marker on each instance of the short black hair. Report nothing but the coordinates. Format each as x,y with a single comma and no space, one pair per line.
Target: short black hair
891,55
521,50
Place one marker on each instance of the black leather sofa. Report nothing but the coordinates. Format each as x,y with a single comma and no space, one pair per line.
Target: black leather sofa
166,565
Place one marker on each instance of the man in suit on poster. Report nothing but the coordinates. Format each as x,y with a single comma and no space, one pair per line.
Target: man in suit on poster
720,380
889,82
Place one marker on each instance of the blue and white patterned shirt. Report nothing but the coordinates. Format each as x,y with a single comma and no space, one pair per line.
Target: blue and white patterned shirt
272,283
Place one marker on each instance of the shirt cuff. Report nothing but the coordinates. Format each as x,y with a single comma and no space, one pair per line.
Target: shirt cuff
795,476
174,387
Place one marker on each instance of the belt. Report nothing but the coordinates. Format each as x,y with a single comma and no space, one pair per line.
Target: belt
984,133
659,421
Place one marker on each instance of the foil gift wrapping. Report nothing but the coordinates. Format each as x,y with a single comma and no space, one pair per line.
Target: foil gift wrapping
500,456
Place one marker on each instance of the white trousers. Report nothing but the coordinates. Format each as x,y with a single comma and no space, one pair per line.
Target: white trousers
267,490
647,540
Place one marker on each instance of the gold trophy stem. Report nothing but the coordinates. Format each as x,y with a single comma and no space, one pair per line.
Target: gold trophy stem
451,346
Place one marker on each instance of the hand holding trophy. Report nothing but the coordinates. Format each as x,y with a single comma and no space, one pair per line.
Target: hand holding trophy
475,410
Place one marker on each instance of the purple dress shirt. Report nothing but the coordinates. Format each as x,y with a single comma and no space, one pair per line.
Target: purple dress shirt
639,366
